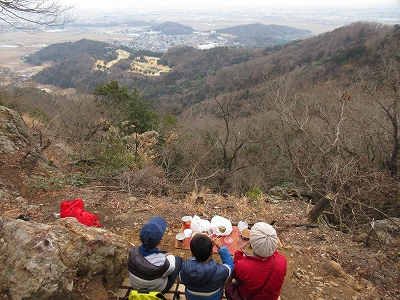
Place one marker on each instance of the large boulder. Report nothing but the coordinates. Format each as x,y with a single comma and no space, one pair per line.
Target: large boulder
40,261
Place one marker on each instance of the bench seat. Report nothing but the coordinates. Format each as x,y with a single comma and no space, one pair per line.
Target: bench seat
123,290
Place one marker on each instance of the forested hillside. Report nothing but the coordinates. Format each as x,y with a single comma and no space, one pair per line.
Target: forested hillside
320,113
261,35
317,117
64,51
73,65
172,28
198,75
63,57
197,72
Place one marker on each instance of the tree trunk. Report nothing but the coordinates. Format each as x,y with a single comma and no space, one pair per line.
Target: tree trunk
318,209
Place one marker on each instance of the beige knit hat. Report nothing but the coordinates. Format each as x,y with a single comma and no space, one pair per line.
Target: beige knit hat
263,239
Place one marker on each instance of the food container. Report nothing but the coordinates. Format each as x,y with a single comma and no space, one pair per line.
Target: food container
186,220
180,237
245,235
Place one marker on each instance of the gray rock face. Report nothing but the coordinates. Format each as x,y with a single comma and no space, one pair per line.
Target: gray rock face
379,233
40,261
13,132
15,136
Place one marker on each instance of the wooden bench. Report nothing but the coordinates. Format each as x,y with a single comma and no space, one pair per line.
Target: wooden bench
123,290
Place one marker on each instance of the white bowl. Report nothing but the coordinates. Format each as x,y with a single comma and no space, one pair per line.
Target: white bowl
188,232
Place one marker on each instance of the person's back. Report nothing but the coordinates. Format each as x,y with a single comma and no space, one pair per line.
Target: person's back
203,277
252,271
149,267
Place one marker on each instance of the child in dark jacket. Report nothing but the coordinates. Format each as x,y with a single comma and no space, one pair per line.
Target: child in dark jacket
203,277
149,267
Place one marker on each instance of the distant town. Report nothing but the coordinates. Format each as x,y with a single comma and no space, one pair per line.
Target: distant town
136,28
133,28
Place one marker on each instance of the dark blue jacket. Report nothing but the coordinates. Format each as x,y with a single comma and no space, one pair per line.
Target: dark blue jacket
206,278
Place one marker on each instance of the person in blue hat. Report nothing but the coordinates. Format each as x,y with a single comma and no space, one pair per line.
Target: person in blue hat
150,267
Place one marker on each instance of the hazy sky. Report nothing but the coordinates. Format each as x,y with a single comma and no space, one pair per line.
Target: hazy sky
226,3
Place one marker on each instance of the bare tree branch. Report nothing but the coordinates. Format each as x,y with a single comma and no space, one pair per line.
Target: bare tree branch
30,14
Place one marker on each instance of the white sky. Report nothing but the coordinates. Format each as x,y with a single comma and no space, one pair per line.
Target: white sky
104,4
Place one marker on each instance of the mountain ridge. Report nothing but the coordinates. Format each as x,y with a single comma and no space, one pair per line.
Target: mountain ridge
195,72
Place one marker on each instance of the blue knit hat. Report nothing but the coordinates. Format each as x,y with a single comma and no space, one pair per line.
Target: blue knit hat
152,232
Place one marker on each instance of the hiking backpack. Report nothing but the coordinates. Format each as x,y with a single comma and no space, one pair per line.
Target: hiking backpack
144,294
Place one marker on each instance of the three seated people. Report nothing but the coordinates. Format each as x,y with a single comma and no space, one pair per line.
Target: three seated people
259,276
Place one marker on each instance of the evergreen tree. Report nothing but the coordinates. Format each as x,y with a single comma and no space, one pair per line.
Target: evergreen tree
124,107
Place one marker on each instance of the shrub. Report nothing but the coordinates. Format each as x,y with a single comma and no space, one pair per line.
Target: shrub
254,194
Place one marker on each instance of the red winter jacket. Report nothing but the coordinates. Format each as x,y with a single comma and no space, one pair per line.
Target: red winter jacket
252,271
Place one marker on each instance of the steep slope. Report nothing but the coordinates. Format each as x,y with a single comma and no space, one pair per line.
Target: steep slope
311,252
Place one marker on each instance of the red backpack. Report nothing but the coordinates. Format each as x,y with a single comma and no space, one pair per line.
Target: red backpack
74,208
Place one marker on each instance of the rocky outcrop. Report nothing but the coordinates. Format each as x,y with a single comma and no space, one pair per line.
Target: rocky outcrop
379,233
14,134
19,153
40,261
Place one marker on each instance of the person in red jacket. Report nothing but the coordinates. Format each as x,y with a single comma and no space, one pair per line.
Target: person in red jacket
252,271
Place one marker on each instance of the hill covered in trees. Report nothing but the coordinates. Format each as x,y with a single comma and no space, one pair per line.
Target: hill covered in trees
261,35
172,28
318,117
65,51
195,71
73,64
258,29
198,75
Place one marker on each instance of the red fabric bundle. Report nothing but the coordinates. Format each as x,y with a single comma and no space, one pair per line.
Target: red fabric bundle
74,208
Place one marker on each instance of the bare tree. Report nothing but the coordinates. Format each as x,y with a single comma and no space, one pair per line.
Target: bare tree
381,83
317,124
28,14
323,139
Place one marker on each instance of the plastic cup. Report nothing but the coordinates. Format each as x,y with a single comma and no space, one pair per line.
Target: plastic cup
180,237
242,225
186,220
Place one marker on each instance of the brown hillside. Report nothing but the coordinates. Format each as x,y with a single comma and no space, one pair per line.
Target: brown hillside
322,263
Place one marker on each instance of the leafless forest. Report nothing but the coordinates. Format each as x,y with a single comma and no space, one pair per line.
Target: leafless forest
319,116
